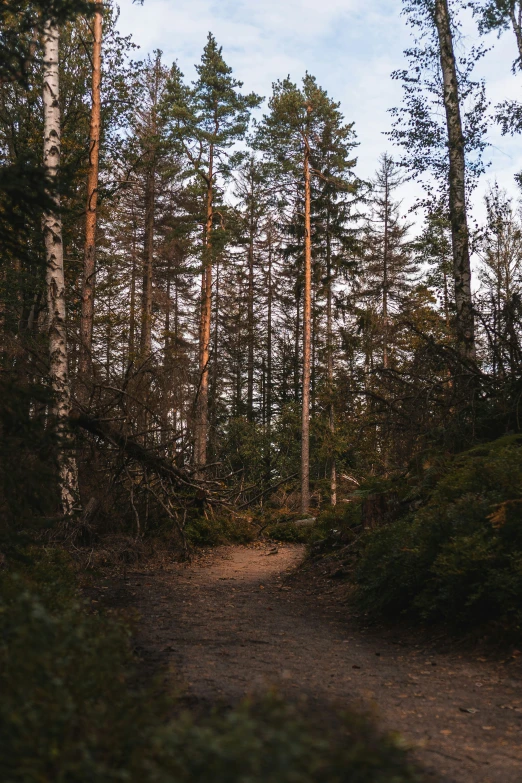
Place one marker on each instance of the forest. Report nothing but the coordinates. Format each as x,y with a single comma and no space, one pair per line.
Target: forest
220,342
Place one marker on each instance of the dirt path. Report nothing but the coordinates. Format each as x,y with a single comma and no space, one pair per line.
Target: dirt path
233,624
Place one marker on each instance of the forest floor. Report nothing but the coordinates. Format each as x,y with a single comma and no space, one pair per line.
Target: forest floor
240,620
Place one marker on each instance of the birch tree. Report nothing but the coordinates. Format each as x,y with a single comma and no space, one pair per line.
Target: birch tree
498,16
442,128
55,281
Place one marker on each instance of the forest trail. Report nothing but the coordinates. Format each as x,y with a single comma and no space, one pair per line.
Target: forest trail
236,622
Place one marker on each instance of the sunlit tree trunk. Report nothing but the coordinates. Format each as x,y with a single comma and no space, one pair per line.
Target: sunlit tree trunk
89,260
201,425
307,304
55,281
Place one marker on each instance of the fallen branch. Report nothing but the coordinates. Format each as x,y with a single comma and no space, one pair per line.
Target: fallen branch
138,453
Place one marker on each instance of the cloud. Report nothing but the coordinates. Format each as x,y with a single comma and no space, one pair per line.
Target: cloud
351,47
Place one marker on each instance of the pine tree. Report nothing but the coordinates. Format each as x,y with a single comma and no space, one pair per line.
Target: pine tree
206,119
433,247
89,262
291,137
387,268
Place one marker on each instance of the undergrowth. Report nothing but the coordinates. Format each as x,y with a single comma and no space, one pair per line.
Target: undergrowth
454,551
71,711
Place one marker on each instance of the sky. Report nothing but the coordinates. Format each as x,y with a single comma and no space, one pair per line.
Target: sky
350,46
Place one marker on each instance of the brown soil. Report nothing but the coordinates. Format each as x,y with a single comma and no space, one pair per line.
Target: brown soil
236,622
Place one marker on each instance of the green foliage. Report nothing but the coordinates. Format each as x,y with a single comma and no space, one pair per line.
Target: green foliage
459,556
270,743
225,529
290,533
27,464
68,711
344,517
65,707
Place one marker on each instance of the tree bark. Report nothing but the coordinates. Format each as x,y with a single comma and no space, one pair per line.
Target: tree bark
89,260
213,384
132,314
150,204
465,328
329,362
148,254
385,274
250,360
269,340
307,304
517,28
55,279
297,335
201,425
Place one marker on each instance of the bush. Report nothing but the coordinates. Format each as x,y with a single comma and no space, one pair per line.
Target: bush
459,556
289,533
65,707
269,742
69,712
201,531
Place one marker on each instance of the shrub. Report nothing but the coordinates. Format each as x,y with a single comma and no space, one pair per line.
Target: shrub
236,529
66,707
69,711
269,742
290,533
459,556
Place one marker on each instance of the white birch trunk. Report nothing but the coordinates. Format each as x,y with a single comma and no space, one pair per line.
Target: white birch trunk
457,185
52,227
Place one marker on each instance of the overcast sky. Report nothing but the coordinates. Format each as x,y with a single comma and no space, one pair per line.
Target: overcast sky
351,46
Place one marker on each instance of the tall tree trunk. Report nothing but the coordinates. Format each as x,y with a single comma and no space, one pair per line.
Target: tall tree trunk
55,280
167,373
250,317
215,364
297,337
132,314
517,28
465,327
329,362
89,259
150,206
307,305
148,254
201,425
385,274
313,338
269,342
